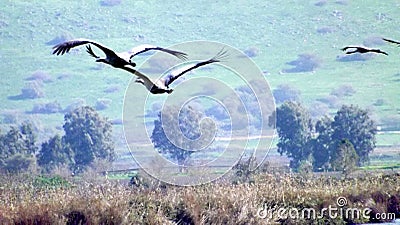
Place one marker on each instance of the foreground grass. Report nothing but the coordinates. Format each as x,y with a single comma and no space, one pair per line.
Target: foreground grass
29,200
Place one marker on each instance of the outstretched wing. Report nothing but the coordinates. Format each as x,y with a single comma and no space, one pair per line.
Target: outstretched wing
90,51
147,82
391,41
64,47
144,48
348,47
378,51
217,58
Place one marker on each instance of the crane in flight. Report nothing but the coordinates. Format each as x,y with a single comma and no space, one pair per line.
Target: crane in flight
360,49
115,59
161,86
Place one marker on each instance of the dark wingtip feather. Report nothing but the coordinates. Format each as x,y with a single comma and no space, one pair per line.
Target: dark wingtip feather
90,51
178,54
182,56
56,49
220,56
391,41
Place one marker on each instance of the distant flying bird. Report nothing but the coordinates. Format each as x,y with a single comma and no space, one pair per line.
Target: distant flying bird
359,49
112,58
161,86
391,41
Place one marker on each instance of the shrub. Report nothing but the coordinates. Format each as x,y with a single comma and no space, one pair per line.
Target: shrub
110,2
112,89
47,108
50,181
331,100
343,90
65,36
40,76
251,52
286,92
103,103
304,63
379,102
321,3
76,104
325,30
64,76
32,90
18,163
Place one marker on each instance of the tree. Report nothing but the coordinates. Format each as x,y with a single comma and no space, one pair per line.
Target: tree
179,133
294,128
53,154
88,137
351,124
345,157
321,145
17,147
29,138
11,143
354,124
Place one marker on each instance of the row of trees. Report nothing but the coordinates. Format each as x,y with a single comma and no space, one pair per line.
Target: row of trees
337,143
87,137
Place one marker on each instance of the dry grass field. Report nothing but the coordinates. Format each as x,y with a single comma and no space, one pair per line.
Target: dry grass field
25,199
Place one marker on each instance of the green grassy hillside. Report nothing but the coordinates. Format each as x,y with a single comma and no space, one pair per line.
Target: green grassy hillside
279,31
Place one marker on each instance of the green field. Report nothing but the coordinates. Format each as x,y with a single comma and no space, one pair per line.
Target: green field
278,30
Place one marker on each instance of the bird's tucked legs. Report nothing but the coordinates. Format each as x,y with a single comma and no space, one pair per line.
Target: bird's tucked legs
132,63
